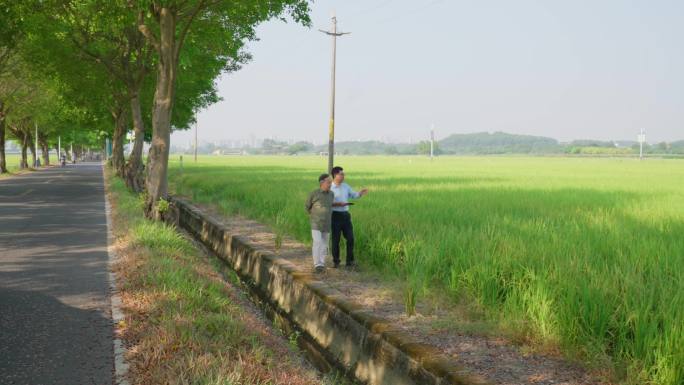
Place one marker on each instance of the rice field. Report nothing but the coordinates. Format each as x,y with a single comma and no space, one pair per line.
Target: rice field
582,253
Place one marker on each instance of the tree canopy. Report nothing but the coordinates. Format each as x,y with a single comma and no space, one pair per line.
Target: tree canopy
93,69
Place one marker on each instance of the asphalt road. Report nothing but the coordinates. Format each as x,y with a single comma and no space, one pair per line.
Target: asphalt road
55,321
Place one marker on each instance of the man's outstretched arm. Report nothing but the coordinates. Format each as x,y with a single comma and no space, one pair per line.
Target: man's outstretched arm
356,195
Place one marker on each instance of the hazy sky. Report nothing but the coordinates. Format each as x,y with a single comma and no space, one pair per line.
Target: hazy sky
567,69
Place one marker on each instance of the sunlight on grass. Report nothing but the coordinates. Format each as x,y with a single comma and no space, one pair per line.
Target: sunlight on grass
583,253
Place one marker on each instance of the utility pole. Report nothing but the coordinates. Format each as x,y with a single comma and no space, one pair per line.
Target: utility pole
195,142
331,128
642,139
432,141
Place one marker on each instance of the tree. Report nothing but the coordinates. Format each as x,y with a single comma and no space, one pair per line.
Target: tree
106,33
299,147
219,27
10,34
423,148
662,148
50,53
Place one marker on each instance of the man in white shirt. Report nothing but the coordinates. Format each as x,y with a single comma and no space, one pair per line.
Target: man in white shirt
341,218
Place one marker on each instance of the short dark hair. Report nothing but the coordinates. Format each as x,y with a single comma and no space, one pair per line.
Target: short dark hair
336,170
323,177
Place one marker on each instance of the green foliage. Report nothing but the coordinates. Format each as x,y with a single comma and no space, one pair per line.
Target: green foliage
300,147
584,253
423,148
85,61
162,205
591,143
594,150
370,147
498,143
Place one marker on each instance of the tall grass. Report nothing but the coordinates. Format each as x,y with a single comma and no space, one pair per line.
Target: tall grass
585,254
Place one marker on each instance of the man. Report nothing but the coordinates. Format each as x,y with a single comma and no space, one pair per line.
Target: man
319,206
341,218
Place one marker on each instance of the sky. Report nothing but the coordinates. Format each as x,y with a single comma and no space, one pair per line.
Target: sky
581,69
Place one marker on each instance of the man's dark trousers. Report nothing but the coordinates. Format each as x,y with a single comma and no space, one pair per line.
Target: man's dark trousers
342,225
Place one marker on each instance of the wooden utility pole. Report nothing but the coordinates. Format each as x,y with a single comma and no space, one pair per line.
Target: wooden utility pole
195,142
331,127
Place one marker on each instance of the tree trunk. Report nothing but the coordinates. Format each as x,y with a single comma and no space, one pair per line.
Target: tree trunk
117,140
46,154
134,176
23,163
3,159
44,148
29,144
157,161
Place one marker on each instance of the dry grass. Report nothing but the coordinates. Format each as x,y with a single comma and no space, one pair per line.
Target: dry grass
184,324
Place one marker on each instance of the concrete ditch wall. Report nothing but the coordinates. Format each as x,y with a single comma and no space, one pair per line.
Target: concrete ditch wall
354,340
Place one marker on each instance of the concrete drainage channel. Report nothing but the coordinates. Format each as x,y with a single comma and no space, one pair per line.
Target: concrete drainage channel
335,332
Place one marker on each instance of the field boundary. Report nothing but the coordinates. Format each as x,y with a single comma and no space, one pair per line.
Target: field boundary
364,346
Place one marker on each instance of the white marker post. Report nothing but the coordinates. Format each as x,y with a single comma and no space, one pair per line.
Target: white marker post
642,139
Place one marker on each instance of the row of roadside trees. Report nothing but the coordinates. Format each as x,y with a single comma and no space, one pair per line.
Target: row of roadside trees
84,70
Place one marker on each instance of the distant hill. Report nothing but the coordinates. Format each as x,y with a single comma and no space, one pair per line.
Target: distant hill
498,143
482,143
677,147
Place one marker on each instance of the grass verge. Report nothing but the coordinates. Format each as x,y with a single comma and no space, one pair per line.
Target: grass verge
183,322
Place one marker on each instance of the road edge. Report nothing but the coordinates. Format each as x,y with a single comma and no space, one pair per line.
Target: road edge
120,364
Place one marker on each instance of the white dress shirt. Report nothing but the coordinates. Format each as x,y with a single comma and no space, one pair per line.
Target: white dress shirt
343,193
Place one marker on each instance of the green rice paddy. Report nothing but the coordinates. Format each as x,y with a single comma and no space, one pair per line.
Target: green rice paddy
585,254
